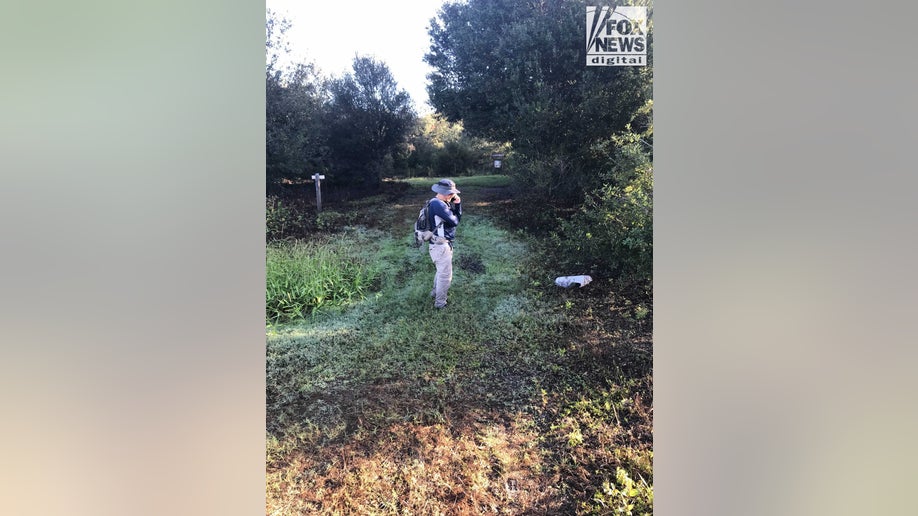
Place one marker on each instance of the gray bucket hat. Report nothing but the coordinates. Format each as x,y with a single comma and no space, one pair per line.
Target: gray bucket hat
445,187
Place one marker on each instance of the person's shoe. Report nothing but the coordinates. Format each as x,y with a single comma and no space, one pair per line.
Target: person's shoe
439,307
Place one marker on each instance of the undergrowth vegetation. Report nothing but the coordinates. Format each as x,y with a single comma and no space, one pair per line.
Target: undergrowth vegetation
302,277
519,398
612,232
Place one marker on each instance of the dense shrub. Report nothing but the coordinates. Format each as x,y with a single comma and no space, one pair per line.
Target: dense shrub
612,233
545,178
456,158
438,148
282,220
331,221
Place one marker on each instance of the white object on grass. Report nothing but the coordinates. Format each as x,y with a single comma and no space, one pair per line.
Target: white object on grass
567,281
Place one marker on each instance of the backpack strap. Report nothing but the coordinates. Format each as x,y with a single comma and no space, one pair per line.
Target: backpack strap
430,221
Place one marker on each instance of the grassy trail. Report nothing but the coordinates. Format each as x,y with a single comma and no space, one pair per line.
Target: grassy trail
391,407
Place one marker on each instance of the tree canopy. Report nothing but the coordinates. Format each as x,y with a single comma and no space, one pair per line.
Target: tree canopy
294,138
514,70
348,127
368,117
581,136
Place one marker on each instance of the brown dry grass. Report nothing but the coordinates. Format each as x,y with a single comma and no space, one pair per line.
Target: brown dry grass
482,467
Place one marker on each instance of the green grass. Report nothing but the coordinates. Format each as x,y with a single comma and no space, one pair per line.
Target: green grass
396,331
488,181
509,401
361,375
304,277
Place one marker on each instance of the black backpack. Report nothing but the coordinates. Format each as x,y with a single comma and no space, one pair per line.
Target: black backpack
423,227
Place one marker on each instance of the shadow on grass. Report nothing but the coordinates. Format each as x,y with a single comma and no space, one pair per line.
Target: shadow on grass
519,399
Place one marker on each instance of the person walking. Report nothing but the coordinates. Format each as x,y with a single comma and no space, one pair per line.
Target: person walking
446,212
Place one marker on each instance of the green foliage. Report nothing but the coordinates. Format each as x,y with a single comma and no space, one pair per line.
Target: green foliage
486,181
623,495
368,119
514,70
455,159
330,220
294,138
385,335
275,44
390,369
437,131
612,233
353,127
280,220
438,148
304,277
547,178
641,312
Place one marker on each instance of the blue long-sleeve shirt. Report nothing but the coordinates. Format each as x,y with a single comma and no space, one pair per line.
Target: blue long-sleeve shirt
448,215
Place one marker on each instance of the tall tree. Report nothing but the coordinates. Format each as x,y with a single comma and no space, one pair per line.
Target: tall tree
294,138
368,118
514,70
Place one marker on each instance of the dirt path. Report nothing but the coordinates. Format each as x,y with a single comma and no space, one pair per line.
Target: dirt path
503,406
400,205
444,431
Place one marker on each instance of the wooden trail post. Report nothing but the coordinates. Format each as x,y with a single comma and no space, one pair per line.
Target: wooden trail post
497,157
318,177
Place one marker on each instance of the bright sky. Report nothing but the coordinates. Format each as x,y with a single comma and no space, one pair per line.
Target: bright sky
395,32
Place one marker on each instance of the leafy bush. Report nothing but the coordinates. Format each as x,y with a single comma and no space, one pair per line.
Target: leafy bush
557,179
612,233
303,277
330,220
280,220
441,148
456,158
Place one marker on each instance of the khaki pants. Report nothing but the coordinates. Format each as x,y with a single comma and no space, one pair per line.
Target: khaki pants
442,256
